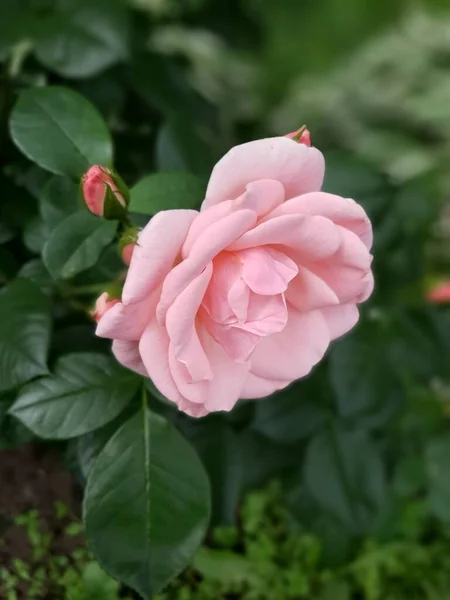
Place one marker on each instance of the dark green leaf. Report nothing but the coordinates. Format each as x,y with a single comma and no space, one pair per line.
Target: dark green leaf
24,333
290,415
86,392
81,38
345,475
60,131
437,464
76,244
147,487
60,197
366,383
35,271
163,191
35,234
220,450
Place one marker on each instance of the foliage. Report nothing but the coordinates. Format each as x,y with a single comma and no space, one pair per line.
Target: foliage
160,89
46,574
266,559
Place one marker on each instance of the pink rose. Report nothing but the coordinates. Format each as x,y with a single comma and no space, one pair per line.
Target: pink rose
96,185
242,298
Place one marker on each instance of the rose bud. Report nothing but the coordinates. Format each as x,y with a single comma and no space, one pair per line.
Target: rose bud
439,293
302,136
104,193
103,304
127,244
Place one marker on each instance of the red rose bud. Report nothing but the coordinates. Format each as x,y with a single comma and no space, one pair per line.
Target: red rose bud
439,293
103,304
302,136
127,244
105,193
127,253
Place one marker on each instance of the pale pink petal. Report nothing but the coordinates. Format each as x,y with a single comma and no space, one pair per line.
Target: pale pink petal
347,272
127,322
237,343
298,168
181,327
206,247
154,350
191,409
229,377
238,299
266,315
313,238
266,270
127,353
260,197
158,246
367,284
308,292
226,274
342,211
223,391
340,319
292,353
259,387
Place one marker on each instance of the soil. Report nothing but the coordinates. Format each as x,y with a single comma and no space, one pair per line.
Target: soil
34,477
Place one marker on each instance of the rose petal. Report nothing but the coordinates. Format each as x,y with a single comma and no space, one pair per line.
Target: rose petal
313,238
158,246
127,322
292,353
267,271
340,319
298,168
342,211
260,196
127,353
259,387
347,272
181,327
154,350
308,292
222,392
206,247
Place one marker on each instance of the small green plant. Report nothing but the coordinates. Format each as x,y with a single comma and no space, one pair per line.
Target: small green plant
264,560
47,575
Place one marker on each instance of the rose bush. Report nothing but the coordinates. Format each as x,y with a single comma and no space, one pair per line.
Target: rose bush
242,298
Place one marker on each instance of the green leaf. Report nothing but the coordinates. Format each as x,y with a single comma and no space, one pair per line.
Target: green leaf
35,234
363,376
60,131
163,191
437,467
80,38
60,197
147,487
289,416
218,445
86,392
344,473
35,271
179,146
76,244
24,333
226,567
